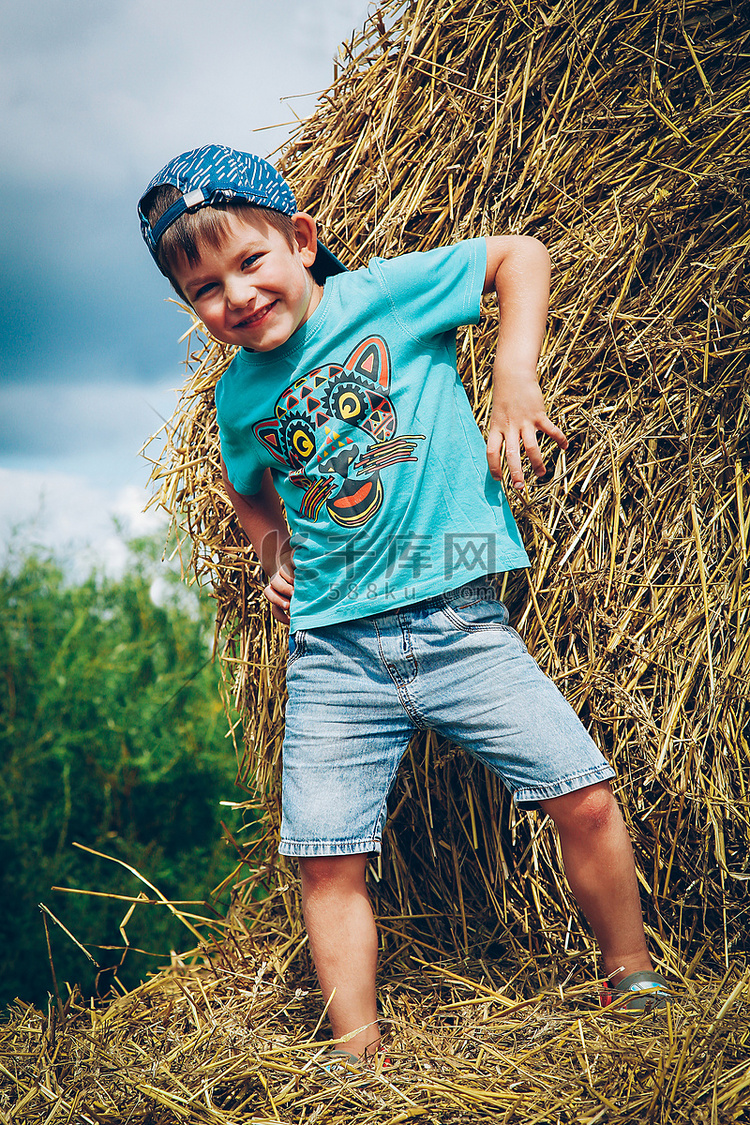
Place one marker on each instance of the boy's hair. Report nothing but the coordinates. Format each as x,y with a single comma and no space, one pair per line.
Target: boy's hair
182,241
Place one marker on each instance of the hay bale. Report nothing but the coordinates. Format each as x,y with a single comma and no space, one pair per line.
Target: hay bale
619,134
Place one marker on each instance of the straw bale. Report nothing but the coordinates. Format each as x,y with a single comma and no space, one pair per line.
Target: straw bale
619,134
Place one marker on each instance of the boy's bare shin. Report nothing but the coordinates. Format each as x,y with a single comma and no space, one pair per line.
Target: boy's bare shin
600,869
344,946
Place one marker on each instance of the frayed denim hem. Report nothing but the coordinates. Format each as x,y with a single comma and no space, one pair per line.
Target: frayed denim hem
563,786
303,849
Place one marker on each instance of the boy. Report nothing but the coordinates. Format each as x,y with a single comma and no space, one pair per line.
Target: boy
344,396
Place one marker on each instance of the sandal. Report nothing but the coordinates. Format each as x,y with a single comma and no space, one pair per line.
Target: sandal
339,1062
645,990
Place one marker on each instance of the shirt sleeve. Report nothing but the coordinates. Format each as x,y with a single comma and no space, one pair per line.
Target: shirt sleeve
435,291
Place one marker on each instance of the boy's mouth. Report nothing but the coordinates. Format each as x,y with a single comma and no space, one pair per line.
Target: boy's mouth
255,318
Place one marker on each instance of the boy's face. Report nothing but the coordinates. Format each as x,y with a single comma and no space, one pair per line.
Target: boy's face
254,290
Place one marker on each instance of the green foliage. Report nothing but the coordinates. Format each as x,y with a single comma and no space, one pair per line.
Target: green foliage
113,735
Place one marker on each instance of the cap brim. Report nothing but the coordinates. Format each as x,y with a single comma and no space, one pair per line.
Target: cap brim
326,264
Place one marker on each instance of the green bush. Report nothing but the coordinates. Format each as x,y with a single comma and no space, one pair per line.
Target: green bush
112,735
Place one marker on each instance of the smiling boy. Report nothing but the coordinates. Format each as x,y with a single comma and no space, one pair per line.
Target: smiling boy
344,400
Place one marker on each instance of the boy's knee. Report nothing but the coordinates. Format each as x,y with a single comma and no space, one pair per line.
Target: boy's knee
321,871
588,810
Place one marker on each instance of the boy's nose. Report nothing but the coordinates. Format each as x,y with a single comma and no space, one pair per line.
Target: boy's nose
238,291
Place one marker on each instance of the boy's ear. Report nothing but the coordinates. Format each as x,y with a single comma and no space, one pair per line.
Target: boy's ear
305,231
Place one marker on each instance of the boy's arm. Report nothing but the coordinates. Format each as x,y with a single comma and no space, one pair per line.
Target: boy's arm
262,519
518,269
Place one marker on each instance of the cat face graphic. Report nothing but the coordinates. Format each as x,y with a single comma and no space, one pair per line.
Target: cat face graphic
335,430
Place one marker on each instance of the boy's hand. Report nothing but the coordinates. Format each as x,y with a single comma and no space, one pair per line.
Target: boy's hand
279,591
518,415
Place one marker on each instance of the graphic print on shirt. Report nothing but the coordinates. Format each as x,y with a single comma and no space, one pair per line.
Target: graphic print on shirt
335,429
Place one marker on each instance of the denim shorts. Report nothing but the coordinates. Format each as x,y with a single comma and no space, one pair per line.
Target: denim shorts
358,691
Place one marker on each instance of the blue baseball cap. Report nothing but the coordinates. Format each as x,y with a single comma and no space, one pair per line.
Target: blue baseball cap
215,174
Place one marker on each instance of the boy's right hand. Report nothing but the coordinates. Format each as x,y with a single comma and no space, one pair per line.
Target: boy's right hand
518,415
279,591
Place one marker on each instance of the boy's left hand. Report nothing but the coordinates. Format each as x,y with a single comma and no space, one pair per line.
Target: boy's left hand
518,415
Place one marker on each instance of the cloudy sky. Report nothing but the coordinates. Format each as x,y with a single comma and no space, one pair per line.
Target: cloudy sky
96,97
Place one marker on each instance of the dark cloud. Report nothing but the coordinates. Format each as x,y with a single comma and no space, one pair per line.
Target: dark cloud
80,292
94,98
49,420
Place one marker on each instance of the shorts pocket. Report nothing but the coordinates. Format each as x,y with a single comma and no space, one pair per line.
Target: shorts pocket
480,610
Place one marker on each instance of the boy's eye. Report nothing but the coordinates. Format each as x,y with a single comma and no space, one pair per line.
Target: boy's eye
250,261
204,290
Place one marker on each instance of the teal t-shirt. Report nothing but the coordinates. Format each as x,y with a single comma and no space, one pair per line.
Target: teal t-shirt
373,447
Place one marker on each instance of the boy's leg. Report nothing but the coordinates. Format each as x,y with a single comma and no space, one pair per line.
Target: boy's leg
600,869
344,944
346,731
506,712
